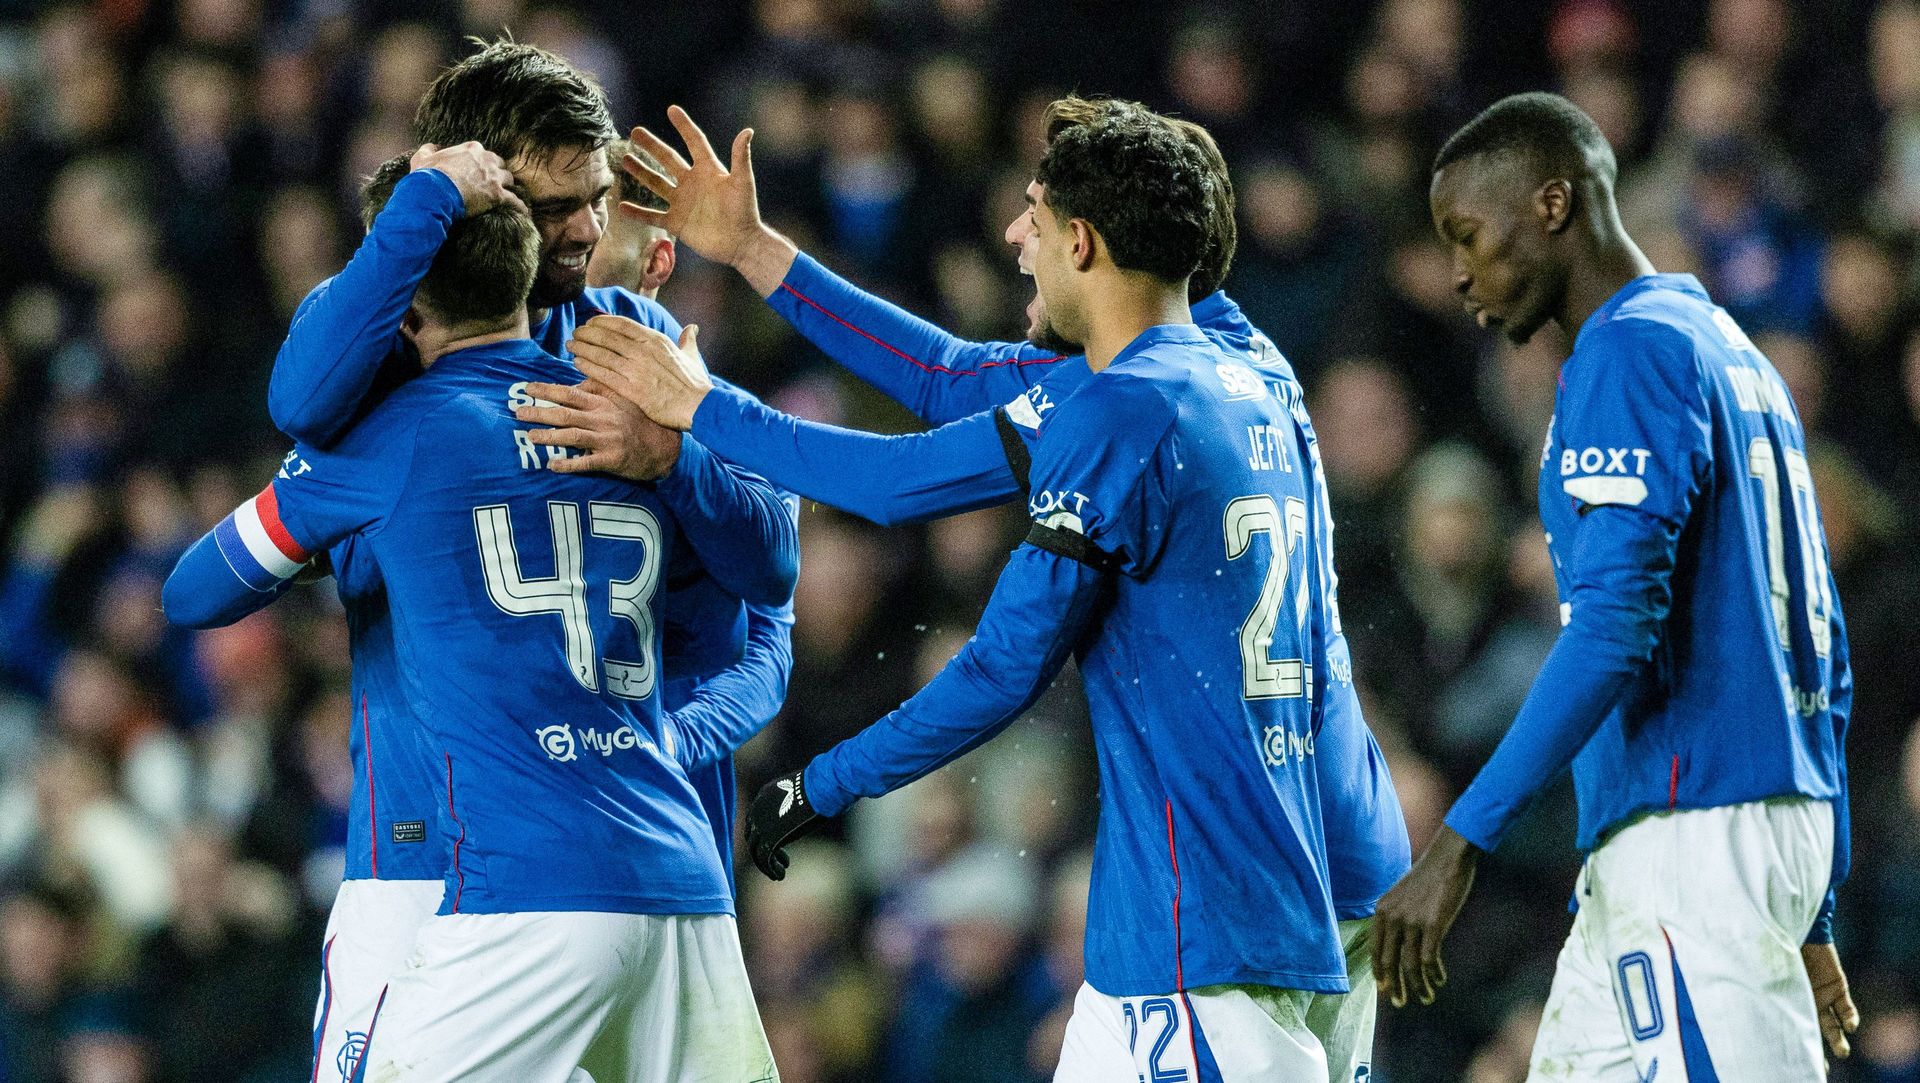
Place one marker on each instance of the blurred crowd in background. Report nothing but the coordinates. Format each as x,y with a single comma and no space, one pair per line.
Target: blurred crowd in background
179,173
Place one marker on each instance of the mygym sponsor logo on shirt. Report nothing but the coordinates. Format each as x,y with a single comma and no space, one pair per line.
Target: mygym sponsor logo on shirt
564,744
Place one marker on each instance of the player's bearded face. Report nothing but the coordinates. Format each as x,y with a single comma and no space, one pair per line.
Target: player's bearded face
1038,243
567,192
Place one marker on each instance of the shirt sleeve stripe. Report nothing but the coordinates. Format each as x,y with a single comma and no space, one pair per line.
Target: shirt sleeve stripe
266,539
226,537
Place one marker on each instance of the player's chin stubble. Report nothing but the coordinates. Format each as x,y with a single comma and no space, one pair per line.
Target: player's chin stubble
1048,337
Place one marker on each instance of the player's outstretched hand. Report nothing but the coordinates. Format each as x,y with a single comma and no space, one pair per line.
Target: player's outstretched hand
481,175
779,814
610,434
665,379
1412,919
712,207
1838,1016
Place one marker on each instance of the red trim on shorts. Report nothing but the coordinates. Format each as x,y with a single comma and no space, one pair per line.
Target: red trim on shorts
909,358
1179,971
366,1047
459,877
373,816
1673,782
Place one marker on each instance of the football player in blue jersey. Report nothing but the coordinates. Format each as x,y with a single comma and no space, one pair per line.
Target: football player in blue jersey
345,352
1211,925
399,849
1700,686
586,909
986,457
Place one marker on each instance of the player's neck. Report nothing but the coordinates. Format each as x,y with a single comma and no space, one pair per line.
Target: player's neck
1613,262
433,347
1125,306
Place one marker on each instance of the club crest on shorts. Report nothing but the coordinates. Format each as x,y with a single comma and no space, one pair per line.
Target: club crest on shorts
348,1059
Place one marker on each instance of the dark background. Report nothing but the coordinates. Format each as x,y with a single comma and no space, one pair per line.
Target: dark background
175,176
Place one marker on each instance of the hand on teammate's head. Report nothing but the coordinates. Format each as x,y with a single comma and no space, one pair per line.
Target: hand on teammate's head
481,175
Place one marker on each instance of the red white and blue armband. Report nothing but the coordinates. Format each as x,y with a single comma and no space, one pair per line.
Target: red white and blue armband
234,569
257,545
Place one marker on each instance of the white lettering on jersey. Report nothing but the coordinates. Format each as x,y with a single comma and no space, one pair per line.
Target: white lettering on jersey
1281,744
1607,476
529,454
1267,445
1240,382
1598,490
1760,392
562,743
517,397
293,466
1059,510
1029,409
1736,338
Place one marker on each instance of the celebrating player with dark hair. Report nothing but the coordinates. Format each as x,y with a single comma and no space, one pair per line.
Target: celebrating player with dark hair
1131,481
981,453
346,350
1700,687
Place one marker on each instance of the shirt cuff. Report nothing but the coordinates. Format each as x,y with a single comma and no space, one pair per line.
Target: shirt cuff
434,193
827,797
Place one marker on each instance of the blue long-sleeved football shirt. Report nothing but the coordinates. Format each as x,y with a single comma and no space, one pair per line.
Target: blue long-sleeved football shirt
524,605
984,458
1704,659
397,828
344,354
1181,571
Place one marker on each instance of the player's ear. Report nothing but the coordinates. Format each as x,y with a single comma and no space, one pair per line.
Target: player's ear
1554,204
410,325
1085,243
657,263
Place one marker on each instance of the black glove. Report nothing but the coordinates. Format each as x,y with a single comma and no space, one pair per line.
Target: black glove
780,813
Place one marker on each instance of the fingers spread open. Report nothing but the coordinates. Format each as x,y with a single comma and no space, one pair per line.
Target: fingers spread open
697,146
743,151
657,182
661,151
638,213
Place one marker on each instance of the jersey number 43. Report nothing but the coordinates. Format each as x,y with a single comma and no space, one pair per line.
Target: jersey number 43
564,593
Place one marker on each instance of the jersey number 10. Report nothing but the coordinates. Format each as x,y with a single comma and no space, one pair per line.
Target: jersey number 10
1813,551
565,591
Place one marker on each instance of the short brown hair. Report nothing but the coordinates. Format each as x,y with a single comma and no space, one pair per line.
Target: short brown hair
484,268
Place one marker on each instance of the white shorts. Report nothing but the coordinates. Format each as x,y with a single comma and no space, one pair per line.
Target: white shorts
1344,1021
1684,960
1214,1034
370,933
524,998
